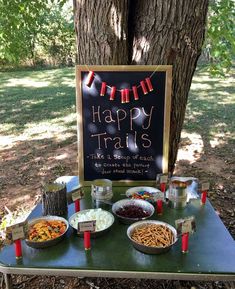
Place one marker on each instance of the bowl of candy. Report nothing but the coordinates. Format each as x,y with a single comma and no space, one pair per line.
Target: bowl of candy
152,237
46,231
104,221
129,211
144,193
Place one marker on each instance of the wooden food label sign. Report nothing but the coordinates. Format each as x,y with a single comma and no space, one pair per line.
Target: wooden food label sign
205,186
77,195
86,226
17,231
163,179
159,196
124,119
185,225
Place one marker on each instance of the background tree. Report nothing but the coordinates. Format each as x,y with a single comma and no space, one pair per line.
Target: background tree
219,47
36,32
145,32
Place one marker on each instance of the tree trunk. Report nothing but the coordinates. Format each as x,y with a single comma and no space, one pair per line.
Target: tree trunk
145,32
101,30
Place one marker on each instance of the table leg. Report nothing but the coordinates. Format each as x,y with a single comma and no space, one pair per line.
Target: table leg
8,281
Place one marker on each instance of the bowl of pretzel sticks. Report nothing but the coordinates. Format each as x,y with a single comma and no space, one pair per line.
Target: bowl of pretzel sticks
152,237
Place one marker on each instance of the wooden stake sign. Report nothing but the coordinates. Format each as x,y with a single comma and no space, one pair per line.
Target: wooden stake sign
163,182
204,190
16,233
76,197
185,227
87,227
160,197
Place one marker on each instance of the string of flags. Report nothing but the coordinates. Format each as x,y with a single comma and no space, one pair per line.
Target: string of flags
146,86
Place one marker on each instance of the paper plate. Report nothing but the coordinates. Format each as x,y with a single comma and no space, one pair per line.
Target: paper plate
145,193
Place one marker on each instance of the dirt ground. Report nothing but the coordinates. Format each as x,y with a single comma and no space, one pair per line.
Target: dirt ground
27,164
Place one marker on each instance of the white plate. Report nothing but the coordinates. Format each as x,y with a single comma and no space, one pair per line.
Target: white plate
154,193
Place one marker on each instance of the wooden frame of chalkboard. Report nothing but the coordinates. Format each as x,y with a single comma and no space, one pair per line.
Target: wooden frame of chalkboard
125,142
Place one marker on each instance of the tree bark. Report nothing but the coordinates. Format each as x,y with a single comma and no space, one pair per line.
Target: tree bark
172,33
145,32
54,201
102,31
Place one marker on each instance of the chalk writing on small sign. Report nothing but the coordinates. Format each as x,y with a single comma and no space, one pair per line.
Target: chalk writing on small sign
86,226
185,225
77,195
205,186
159,196
18,231
163,179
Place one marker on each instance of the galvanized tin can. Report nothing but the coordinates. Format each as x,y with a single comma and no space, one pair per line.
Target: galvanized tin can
101,190
177,195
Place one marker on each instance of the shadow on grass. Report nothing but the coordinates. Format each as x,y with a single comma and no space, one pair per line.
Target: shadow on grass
28,97
210,111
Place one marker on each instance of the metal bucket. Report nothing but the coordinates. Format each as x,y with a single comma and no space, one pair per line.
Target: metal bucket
177,195
101,190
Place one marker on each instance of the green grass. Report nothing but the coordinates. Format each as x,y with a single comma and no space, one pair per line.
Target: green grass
211,110
35,102
34,98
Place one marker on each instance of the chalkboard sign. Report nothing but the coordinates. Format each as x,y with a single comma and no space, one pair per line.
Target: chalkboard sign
123,117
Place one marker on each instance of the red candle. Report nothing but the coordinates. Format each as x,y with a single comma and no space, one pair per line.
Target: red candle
77,205
142,83
149,84
18,249
90,78
203,197
159,207
123,96
112,94
87,240
185,238
127,92
163,187
103,89
135,93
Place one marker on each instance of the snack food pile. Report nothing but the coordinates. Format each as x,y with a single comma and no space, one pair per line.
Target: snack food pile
46,230
153,235
143,195
132,211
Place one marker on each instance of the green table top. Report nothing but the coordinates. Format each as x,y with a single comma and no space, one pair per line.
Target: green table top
211,250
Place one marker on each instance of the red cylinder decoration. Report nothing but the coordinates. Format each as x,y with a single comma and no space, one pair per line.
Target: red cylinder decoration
159,207
185,238
18,249
90,78
127,92
149,84
112,94
87,240
123,96
135,93
163,187
143,86
77,205
203,197
103,89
